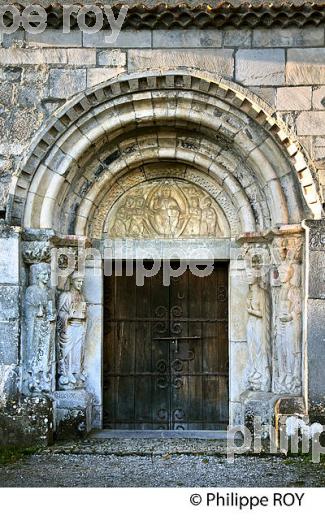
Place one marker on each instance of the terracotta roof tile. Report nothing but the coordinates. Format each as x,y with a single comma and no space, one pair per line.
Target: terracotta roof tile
150,14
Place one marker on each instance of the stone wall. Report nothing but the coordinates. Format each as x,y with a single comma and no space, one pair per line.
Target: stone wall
38,73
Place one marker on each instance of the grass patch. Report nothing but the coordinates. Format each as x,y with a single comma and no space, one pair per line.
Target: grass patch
10,454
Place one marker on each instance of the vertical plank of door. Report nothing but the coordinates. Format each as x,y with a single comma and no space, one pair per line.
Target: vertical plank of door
142,381
160,354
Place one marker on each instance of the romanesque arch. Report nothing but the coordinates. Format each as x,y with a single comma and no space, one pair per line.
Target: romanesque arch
190,118
206,139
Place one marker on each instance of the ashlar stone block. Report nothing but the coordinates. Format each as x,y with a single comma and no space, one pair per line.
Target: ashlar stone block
219,61
319,98
260,67
294,98
311,123
305,66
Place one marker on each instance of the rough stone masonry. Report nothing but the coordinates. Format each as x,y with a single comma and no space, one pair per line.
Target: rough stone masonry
211,117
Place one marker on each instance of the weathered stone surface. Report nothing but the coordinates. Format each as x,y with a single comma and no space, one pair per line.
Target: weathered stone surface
5,182
9,249
237,38
260,67
6,92
268,94
72,414
186,38
311,123
316,351
238,360
65,83
25,122
293,98
50,56
54,38
93,356
27,422
305,66
125,40
290,37
238,318
15,39
319,98
260,405
317,274
9,324
98,75
111,58
219,61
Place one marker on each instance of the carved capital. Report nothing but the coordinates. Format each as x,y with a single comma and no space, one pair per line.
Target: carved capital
35,252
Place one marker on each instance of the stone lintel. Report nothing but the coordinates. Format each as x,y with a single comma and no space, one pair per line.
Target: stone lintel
266,236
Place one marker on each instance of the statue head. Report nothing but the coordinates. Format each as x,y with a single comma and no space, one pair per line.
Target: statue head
166,191
77,281
195,202
40,273
207,202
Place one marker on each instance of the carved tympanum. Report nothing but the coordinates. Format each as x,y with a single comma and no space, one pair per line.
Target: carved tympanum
168,208
71,329
39,313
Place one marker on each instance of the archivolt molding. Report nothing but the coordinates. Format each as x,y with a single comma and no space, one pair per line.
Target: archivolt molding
209,108
196,162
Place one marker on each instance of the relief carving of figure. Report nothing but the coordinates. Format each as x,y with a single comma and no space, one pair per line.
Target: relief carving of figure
209,223
288,332
195,217
258,335
166,209
166,212
71,329
39,313
137,225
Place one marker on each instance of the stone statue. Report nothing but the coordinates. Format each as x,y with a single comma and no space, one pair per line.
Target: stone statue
39,313
258,335
71,330
288,330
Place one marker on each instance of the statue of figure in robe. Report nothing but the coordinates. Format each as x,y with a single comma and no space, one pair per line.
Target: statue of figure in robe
71,331
258,335
39,314
288,333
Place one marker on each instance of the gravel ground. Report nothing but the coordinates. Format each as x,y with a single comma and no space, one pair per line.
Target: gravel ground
149,463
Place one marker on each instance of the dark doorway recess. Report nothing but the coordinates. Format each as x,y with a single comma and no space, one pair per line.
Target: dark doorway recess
166,352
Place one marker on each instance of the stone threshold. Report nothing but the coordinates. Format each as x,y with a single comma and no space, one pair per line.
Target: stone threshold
159,434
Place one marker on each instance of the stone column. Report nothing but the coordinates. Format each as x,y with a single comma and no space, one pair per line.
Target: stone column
315,253
9,311
25,420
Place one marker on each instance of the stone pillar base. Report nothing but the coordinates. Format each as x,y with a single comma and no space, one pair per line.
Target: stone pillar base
72,414
27,422
259,405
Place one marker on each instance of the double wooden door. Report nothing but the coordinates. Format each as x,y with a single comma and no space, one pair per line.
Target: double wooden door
166,352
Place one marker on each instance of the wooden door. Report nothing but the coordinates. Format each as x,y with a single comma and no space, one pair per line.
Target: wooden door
166,352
